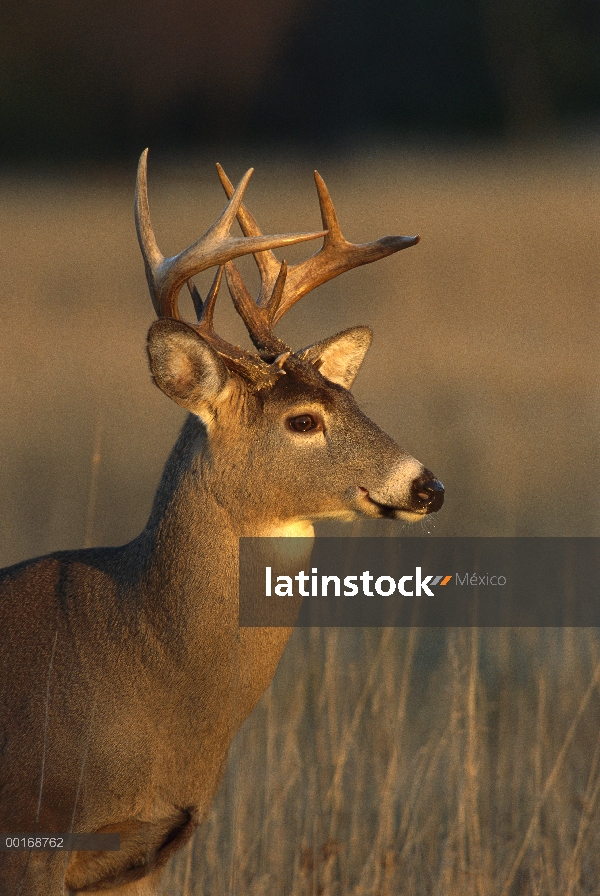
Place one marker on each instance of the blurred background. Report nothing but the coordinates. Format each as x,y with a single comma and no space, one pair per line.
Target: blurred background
101,79
379,761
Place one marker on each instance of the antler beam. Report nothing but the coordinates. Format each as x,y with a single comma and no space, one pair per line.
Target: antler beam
336,256
281,286
166,276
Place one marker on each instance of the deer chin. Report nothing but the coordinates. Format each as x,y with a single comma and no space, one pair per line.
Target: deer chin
409,516
369,506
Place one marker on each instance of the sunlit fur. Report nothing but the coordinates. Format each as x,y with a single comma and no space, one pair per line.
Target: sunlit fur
137,675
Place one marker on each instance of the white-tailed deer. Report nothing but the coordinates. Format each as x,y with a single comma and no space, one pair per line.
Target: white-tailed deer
123,672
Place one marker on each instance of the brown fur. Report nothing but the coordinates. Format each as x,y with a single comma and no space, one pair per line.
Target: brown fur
124,674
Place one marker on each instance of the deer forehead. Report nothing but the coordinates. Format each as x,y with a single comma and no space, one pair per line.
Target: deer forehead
288,397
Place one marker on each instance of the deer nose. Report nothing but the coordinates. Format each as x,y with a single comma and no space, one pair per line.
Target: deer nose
428,492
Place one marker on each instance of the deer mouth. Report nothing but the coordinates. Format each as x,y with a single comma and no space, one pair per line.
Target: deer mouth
386,511
422,502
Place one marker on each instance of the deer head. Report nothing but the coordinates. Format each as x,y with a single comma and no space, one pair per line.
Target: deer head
288,443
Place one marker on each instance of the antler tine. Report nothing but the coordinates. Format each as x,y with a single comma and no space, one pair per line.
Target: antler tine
257,315
205,310
267,264
166,276
196,299
256,318
336,256
151,254
256,372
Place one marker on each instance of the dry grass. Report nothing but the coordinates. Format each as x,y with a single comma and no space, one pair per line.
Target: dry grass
378,762
413,762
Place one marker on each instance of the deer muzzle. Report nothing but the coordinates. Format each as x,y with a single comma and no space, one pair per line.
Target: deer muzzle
428,492
424,495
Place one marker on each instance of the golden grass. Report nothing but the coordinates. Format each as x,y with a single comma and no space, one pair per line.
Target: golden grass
379,762
460,763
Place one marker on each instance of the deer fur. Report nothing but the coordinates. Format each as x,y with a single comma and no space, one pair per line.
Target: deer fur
123,672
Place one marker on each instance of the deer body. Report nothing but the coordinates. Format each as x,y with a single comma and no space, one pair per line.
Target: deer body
124,673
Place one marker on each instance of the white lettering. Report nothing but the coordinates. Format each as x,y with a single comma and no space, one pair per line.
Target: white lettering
350,589
301,578
421,584
401,586
325,580
286,588
365,578
379,586
315,584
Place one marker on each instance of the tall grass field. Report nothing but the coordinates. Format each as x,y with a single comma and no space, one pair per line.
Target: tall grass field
415,761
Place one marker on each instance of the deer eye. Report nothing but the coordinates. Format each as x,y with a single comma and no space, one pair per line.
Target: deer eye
303,423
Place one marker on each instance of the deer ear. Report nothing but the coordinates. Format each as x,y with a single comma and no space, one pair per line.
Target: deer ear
185,367
339,357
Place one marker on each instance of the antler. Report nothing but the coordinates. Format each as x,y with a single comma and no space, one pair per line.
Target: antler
166,276
281,287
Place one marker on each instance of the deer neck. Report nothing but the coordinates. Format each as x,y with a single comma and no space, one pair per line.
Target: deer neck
189,554
189,526
189,543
